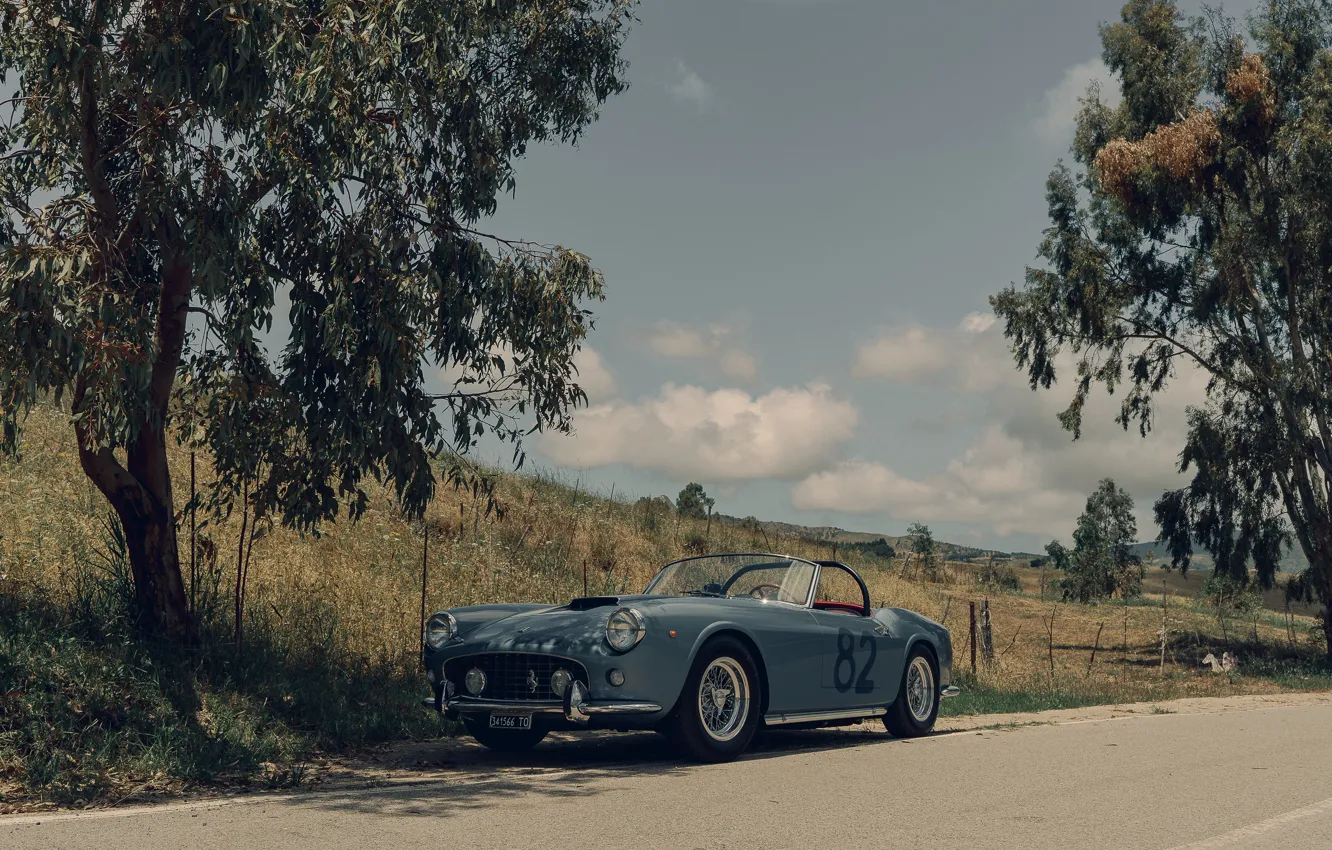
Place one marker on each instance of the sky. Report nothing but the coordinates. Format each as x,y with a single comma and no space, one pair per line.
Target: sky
801,208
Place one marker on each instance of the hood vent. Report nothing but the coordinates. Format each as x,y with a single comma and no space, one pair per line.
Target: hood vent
587,603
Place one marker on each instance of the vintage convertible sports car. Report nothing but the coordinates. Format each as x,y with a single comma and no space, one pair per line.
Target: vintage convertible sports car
716,647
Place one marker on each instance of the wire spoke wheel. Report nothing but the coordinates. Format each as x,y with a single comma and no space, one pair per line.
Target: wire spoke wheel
723,698
920,690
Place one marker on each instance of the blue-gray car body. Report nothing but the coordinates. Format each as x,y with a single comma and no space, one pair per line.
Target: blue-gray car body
816,665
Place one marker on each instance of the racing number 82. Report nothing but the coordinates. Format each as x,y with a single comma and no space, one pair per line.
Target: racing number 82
846,645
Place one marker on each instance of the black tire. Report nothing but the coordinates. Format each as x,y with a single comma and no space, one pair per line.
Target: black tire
724,736
904,721
502,740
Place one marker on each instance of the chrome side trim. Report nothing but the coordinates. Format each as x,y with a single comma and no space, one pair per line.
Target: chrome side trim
819,716
950,691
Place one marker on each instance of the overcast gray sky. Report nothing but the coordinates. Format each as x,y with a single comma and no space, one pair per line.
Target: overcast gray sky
801,207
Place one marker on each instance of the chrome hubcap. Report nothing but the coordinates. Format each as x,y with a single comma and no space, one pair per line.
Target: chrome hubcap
723,699
920,689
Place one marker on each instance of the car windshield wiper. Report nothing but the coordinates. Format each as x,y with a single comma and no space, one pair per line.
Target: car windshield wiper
704,593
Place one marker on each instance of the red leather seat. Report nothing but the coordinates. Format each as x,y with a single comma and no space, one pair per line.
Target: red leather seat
844,607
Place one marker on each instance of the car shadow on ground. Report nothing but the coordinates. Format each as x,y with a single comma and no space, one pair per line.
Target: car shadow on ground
441,778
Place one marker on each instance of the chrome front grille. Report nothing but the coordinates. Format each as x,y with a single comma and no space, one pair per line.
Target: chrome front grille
512,676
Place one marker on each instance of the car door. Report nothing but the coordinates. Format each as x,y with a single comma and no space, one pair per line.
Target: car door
861,657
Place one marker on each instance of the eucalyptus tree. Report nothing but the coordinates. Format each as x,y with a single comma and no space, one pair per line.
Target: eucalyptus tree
167,166
1102,562
1196,228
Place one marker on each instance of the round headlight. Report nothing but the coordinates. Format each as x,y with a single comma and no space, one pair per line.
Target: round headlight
559,681
440,629
624,629
475,681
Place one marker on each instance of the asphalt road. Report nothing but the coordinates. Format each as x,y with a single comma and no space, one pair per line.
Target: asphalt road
1256,777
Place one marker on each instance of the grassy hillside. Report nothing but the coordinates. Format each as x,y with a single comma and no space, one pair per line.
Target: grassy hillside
90,713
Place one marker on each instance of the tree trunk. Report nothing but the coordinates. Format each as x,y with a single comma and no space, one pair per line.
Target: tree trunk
140,490
140,494
155,561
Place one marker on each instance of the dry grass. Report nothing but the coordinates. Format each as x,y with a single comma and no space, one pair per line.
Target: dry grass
354,592
359,585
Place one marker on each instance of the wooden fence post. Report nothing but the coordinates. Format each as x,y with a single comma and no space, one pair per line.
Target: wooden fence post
987,635
1125,645
194,548
425,566
973,638
1165,626
1049,632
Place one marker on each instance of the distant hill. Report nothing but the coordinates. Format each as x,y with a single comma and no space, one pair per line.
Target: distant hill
1152,552
831,534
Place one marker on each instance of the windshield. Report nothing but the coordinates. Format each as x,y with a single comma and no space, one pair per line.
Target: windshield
768,577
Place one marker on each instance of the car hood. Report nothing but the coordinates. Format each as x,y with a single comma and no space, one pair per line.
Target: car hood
578,627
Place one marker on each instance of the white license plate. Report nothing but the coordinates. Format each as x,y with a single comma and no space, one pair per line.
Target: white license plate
510,721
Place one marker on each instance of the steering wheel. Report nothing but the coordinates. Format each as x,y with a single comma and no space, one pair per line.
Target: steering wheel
760,591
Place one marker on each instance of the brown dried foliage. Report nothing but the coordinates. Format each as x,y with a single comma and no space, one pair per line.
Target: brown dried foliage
1182,151
1116,163
1250,84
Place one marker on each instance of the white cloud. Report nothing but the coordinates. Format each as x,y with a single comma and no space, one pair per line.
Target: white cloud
1023,472
970,358
910,355
1060,106
977,323
716,343
689,87
593,376
719,436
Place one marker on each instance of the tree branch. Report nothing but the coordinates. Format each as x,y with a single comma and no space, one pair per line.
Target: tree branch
90,145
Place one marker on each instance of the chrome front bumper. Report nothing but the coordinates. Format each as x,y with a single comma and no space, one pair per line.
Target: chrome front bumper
575,706
950,691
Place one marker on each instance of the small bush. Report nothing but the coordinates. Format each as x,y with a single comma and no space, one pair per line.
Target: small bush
695,544
998,577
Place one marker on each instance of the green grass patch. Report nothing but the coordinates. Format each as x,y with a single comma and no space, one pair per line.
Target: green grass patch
979,698
87,715
1301,674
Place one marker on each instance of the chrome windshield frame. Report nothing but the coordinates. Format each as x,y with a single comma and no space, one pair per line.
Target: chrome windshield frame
809,592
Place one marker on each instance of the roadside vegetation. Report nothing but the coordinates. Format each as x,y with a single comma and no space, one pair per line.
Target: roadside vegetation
164,624
92,712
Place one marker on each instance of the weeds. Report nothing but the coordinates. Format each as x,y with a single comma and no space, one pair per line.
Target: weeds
330,660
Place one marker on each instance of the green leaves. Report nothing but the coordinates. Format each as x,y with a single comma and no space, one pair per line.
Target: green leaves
336,157
1199,237
693,501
